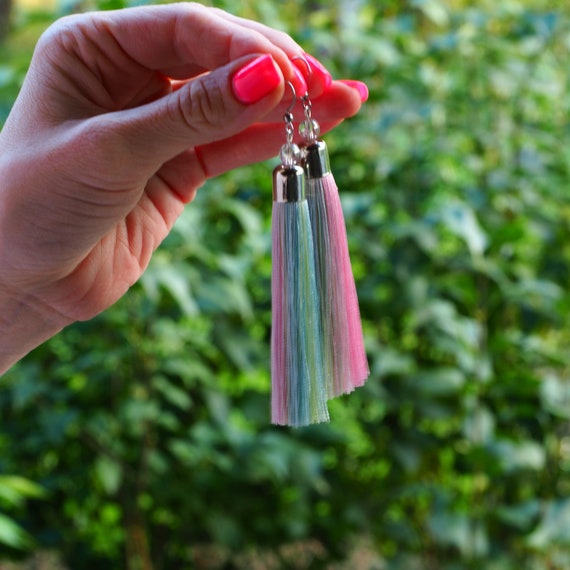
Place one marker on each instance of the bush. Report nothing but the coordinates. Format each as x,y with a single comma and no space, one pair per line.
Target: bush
148,426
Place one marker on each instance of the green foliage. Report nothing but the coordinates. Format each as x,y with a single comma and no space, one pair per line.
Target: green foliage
14,491
148,426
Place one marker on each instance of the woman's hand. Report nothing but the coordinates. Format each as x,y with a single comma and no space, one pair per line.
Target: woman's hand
122,117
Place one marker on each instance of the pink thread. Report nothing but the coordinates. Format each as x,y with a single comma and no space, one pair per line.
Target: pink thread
350,362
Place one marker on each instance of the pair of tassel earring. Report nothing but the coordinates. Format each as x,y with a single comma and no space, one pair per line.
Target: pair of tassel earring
317,347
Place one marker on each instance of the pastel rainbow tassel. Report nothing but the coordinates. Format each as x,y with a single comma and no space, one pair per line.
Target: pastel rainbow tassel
299,392
345,355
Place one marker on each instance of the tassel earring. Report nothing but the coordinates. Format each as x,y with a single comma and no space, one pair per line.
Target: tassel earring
299,391
345,356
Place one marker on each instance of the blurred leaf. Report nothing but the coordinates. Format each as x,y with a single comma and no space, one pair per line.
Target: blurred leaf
438,382
174,281
172,393
461,531
109,473
479,426
554,526
555,395
14,490
435,10
519,456
460,219
522,515
13,535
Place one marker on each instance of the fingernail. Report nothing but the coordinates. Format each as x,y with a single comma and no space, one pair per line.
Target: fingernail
359,86
256,79
314,68
299,83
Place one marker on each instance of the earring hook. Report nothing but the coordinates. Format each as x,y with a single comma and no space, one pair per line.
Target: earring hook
294,101
305,61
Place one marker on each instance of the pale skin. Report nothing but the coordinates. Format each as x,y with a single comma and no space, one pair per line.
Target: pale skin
122,117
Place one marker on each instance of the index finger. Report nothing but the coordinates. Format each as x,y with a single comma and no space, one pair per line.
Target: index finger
180,40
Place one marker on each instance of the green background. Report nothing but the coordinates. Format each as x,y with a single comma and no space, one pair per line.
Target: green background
141,439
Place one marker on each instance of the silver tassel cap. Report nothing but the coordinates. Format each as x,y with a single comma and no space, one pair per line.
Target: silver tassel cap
316,160
288,184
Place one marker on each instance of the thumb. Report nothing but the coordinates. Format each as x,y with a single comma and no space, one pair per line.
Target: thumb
206,109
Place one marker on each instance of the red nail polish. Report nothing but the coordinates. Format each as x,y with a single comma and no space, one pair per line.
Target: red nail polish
314,69
359,86
256,79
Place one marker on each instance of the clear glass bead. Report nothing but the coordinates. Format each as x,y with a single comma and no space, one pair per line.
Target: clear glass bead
309,129
290,154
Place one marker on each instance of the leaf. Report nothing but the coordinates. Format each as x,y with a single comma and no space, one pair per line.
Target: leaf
15,489
270,465
538,293
409,456
13,535
555,395
136,413
390,361
467,534
218,406
460,219
174,280
110,474
184,452
554,527
438,382
172,393
443,316
519,456
521,515
249,218
479,425
433,10
225,295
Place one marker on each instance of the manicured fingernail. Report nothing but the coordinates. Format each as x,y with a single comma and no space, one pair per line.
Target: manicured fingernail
359,86
256,79
314,68
299,82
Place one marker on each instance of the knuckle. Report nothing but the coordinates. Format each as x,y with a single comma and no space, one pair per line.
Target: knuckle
204,107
